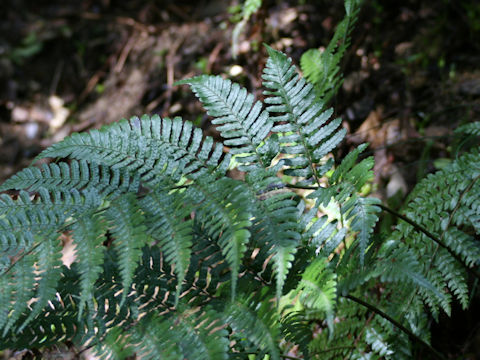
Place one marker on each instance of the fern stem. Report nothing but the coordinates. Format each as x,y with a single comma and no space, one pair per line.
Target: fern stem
432,237
384,315
20,258
295,186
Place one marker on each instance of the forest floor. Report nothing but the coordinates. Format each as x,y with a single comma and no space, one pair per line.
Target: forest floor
412,75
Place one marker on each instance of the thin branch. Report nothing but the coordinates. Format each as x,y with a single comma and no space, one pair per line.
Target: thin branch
384,315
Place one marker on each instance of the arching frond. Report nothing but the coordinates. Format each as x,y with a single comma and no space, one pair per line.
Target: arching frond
168,221
127,224
224,209
306,135
77,175
147,146
88,234
256,321
243,123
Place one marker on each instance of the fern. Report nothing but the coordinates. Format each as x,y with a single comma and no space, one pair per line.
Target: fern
249,8
304,132
322,68
176,260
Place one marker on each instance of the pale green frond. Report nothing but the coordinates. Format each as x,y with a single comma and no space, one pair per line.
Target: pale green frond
317,289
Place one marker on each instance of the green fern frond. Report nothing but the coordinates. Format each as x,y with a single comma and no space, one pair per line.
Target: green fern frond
88,236
77,175
297,330
256,321
148,146
22,219
174,259
17,304
7,288
401,265
114,346
225,210
321,233
363,212
167,221
322,68
471,128
306,136
157,338
455,277
437,203
317,289
127,224
275,227
209,342
243,124
48,268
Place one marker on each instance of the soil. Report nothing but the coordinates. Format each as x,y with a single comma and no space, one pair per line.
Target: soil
411,77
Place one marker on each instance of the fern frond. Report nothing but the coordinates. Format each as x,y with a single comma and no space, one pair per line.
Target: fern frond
275,225
88,237
157,338
225,210
257,321
148,146
306,136
471,128
49,271
401,265
317,289
127,224
363,212
23,218
209,341
7,288
114,345
77,175
322,68
21,276
243,124
296,329
321,234
437,203
168,222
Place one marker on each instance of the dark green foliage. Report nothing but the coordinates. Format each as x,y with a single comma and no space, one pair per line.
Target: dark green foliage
176,260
